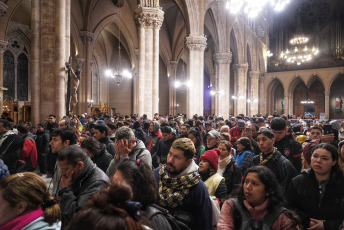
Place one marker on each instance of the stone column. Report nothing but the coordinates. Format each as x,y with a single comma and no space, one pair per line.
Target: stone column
286,103
262,102
149,18
241,84
88,39
194,98
3,45
172,89
291,104
222,101
60,58
254,94
15,78
35,76
327,105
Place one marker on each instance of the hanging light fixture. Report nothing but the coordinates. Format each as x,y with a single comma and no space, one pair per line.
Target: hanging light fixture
118,74
252,7
183,83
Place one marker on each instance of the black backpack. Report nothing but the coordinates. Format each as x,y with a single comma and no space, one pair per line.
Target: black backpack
158,210
247,223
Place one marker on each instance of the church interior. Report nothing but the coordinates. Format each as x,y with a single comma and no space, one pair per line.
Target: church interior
171,57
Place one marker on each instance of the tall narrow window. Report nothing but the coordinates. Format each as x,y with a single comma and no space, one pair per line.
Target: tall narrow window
22,78
8,80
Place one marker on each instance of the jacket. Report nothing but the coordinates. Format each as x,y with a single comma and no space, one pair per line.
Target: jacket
90,180
244,160
42,142
283,170
3,170
291,149
153,138
162,149
40,224
110,145
103,159
28,153
10,150
303,196
139,152
216,186
196,202
232,175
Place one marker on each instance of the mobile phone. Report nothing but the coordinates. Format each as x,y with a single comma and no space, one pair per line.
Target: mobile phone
248,129
327,129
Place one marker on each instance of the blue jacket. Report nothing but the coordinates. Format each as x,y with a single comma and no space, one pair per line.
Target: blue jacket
197,202
3,170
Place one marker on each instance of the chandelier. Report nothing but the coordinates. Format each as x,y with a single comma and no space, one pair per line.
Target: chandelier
118,74
252,7
182,84
300,52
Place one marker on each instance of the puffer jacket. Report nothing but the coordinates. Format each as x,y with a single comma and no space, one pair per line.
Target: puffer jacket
103,159
232,175
42,142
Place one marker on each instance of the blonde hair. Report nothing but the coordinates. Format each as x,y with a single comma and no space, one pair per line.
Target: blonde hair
30,188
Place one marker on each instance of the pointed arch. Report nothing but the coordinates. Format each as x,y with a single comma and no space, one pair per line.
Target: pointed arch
294,83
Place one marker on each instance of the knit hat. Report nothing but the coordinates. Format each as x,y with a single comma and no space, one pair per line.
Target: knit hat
212,156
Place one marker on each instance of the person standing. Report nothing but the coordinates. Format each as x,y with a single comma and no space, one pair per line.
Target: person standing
42,145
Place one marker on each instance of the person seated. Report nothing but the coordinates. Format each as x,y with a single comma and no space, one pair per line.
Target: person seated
317,192
111,208
259,199
97,152
244,153
25,203
230,171
139,176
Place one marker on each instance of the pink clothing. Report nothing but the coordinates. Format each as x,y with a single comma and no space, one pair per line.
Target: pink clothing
23,220
226,220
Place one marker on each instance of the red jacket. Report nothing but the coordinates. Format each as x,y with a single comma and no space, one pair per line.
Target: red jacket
29,153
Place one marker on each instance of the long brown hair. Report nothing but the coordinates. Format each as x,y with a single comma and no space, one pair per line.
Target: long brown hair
30,188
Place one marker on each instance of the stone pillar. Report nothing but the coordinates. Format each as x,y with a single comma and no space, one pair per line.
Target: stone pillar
286,103
222,101
15,78
149,19
35,76
241,84
194,98
291,104
3,45
3,10
172,89
262,101
327,105
60,58
88,39
254,94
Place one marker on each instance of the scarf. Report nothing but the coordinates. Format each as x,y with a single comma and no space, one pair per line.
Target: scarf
223,164
261,159
23,220
173,189
5,135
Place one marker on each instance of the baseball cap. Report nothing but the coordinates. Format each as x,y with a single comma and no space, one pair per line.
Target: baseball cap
241,124
214,134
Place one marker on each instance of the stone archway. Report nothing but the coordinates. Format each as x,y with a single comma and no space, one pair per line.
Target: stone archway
336,91
274,102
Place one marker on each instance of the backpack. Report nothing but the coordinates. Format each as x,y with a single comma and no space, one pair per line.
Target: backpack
247,223
175,224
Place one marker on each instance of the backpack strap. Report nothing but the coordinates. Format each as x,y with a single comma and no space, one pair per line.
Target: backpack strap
245,216
151,211
140,152
271,217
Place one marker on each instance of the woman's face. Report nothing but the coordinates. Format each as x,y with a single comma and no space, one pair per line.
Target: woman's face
322,162
203,165
7,213
224,151
240,147
254,190
192,138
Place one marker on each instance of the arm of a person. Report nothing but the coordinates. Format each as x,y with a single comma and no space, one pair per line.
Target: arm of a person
203,210
45,143
25,152
288,173
226,221
221,191
236,178
146,156
297,161
246,163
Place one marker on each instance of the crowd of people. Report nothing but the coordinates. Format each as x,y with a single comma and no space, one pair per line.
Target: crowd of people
168,172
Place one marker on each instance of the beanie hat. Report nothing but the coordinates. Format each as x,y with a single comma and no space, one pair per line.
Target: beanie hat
212,156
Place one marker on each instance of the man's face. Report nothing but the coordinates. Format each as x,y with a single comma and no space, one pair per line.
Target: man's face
261,124
265,144
315,134
68,170
211,141
167,136
253,131
98,135
207,128
184,130
2,129
51,119
62,124
40,129
171,121
225,130
176,161
279,134
57,145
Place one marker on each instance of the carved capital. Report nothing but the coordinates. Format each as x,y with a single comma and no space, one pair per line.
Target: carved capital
3,46
80,62
222,58
149,17
87,37
197,43
241,68
254,74
3,9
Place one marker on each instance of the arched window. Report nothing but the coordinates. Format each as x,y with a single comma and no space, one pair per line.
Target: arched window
22,78
9,78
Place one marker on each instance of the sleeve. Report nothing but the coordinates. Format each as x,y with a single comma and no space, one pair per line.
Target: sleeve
146,156
112,167
295,203
226,221
221,191
25,152
236,178
203,209
284,222
45,143
246,163
297,160
288,173
111,149
12,154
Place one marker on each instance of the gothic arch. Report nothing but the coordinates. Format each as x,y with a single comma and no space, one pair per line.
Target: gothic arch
193,17
294,83
314,78
272,100
238,49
